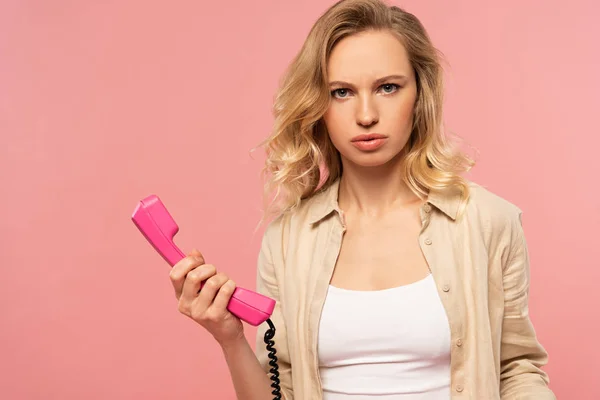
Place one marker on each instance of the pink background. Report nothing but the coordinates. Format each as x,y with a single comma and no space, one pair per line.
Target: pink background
103,103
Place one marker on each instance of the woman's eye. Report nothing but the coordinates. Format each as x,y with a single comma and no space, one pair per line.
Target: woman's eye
389,87
339,93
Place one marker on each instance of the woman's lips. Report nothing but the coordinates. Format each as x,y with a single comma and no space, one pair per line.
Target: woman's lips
368,142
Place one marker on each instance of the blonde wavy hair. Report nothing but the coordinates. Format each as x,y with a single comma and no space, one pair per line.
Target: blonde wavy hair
301,159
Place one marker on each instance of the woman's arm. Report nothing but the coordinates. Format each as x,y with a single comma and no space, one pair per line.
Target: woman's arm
249,379
249,370
521,356
266,284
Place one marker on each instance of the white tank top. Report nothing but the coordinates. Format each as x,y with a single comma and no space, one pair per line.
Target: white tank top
391,344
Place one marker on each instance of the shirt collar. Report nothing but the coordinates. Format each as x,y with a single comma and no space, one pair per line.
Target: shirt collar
325,201
447,201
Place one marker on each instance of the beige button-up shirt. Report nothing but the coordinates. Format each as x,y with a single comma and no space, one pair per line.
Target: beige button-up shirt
481,268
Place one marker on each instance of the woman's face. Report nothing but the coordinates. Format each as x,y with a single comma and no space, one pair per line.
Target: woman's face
373,92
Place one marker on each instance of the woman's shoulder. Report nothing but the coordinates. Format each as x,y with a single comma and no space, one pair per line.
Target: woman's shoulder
494,210
487,200
304,218
308,211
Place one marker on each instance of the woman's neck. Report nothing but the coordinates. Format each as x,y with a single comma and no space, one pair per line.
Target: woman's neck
374,191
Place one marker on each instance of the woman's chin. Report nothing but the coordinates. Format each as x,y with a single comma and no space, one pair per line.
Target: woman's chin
371,160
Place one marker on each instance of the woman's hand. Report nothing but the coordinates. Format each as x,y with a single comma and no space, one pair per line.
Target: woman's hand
208,306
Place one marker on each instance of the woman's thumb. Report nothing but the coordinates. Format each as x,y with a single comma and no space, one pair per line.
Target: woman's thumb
196,253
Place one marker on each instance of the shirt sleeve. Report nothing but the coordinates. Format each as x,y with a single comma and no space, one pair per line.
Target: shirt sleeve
267,284
521,356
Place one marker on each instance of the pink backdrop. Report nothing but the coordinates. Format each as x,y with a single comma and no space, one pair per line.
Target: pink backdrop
102,103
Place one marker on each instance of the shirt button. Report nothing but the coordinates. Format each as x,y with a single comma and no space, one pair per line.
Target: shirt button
459,343
459,388
427,241
446,288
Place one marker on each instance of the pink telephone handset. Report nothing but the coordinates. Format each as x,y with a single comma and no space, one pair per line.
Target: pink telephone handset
156,224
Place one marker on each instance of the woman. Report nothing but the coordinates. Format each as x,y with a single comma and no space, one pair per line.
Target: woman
395,277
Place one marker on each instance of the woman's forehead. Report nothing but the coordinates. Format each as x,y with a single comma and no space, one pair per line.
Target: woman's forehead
368,55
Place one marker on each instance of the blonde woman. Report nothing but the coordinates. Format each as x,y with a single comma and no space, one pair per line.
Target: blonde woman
395,277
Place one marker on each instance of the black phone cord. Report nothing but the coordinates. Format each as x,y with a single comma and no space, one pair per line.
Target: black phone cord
269,335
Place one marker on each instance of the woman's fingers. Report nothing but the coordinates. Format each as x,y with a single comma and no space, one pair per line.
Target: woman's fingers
180,270
222,298
194,279
211,304
210,289
203,295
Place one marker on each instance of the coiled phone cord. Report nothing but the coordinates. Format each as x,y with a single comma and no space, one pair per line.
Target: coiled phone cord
269,335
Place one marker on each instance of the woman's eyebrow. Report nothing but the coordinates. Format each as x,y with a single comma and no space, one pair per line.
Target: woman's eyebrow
377,82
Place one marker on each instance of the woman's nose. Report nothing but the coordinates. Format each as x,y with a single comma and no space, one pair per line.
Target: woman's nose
367,113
